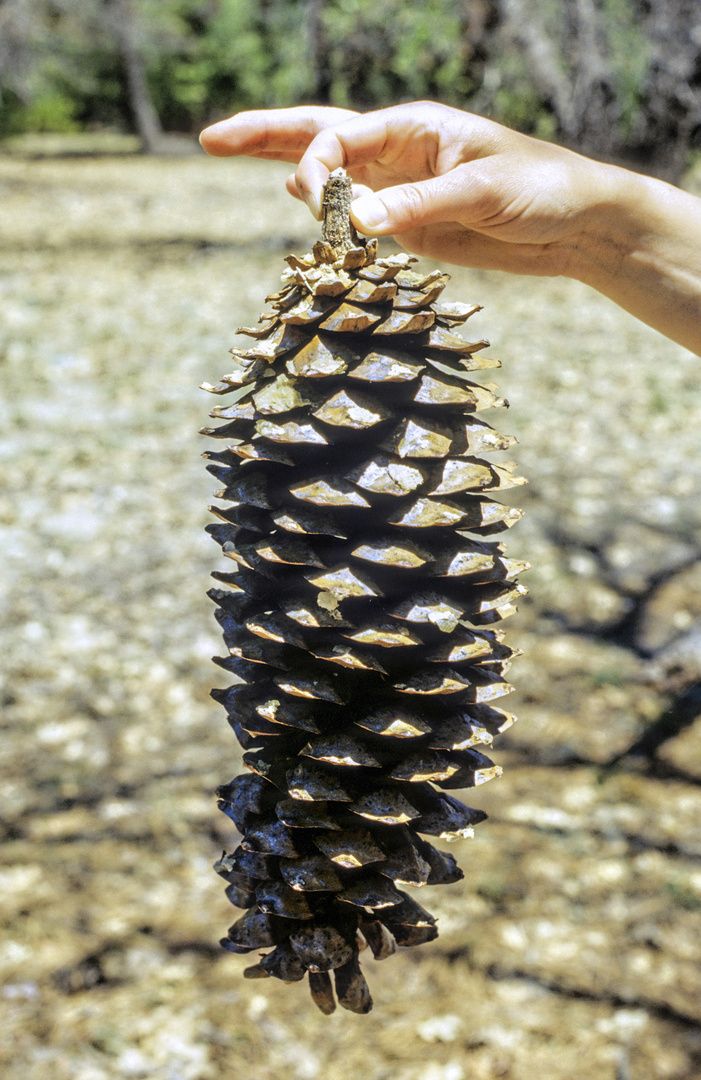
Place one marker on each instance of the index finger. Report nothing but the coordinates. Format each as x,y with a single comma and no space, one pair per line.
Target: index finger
275,134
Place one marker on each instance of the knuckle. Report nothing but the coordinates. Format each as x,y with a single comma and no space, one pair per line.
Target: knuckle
413,201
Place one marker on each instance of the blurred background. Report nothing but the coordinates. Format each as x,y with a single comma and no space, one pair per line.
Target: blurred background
616,78
127,262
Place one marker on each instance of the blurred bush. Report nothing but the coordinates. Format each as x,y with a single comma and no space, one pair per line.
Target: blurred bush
47,112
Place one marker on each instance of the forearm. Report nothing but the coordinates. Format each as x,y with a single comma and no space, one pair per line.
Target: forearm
641,247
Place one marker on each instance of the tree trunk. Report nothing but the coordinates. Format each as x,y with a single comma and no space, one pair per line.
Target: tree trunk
319,51
146,120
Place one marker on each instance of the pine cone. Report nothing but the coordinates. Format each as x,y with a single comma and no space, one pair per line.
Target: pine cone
354,616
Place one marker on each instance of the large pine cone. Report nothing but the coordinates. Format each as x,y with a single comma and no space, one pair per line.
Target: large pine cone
357,510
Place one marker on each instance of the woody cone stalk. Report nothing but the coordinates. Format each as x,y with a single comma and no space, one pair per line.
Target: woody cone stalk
358,516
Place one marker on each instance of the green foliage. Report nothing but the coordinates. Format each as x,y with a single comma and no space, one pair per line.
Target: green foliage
207,58
517,102
50,112
683,895
245,55
390,50
629,52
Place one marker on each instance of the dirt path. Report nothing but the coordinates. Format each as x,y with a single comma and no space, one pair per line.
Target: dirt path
573,947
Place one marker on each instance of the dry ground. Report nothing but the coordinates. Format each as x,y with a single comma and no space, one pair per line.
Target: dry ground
573,947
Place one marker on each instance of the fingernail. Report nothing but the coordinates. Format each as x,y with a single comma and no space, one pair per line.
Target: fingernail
369,213
314,205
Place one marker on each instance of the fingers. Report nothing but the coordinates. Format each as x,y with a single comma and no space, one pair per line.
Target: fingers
411,142
401,137
277,134
352,143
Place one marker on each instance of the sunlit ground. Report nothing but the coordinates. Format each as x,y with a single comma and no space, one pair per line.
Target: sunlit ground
572,948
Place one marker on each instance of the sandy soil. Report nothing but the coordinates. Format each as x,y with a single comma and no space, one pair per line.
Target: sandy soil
573,946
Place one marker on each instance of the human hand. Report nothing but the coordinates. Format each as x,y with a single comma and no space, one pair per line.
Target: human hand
462,189
449,185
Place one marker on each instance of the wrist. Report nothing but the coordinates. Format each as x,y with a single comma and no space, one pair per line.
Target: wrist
639,243
611,225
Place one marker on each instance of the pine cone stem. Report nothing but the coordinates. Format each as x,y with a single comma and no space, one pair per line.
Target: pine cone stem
337,229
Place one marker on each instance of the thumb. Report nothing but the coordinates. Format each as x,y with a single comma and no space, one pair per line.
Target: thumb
457,196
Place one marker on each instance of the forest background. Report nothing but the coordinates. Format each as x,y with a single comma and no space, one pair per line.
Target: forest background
618,79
